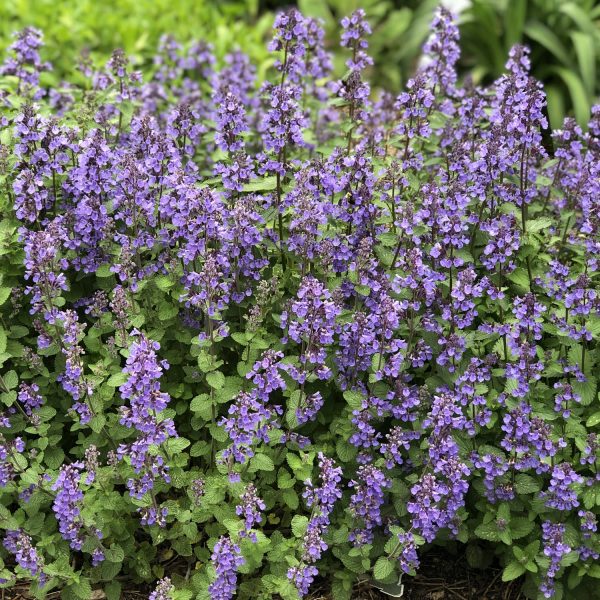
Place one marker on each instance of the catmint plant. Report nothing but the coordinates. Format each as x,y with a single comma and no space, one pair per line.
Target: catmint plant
267,330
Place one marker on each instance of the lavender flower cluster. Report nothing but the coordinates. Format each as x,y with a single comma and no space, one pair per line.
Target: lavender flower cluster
260,336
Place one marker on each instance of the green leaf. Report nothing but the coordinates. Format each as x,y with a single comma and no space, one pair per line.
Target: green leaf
285,480
53,457
525,484
167,311
4,294
488,531
261,462
514,22
82,589
540,224
579,97
556,105
513,570
177,445
117,380
383,568
290,497
202,405
593,420
549,40
104,271
215,379
586,389
594,571
520,527
114,554
11,380
585,48
299,525
520,277
345,451
265,184
354,399
584,20
113,590
475,556
164,283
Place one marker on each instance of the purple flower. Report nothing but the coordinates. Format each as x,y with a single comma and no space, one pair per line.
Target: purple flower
302,577
68,503
73,379
19,544
226,558
198,488
408,557
25,62
146,402
355,30
91,463
231,120
289,37
283,122
443,48
366,501
321,499
311,321
29,398
7,452
555,549
44,269
163,590
250,508
248,423
560,495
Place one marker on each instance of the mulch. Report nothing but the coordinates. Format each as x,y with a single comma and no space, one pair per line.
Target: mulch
440,577
445,577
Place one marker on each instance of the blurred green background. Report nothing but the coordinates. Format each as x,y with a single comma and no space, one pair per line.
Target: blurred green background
564,35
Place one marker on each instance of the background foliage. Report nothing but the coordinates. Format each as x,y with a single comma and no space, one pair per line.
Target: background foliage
71,26
564,36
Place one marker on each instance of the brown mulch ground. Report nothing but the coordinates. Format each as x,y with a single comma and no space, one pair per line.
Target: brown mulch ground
445,577
440,577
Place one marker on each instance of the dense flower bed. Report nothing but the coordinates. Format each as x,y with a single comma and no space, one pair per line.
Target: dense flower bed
257,335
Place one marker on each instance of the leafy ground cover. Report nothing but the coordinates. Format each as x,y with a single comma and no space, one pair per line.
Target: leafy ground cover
273,338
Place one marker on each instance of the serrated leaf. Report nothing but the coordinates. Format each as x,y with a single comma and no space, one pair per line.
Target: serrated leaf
261,462
11,380
488,531
383,568
215,379
113,590
290,497
117,379
177,445
520,527
586,390
513,570
114,554
299,525
593,420
345,451
525,484
265,184
354,399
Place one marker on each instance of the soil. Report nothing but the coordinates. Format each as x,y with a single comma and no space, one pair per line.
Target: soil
440,577
445,577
